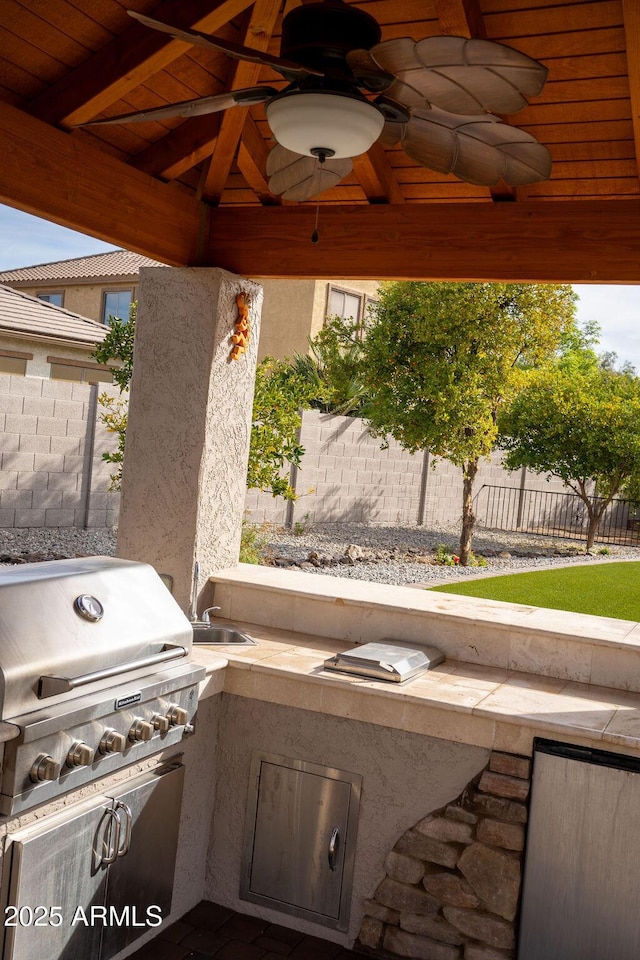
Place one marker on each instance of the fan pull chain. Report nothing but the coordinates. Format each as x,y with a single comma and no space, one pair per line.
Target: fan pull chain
315,236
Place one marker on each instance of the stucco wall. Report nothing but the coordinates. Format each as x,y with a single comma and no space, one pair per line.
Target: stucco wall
83,298
40,366
405,777
295,310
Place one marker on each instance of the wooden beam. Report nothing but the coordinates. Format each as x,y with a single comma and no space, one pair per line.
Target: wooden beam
461,18
261,26
552,241
180,150
376,176
631,19
252,161
63,178
127,61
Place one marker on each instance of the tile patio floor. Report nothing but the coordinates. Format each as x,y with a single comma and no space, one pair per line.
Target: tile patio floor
213,931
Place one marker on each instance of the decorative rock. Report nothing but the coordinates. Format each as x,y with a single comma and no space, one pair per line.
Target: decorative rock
426,848
406,869
406,899
354,552
510,765
379,912
474,951
418,948
481,926
510,836
452,889
494,876
499,808
503,786
455,812
371,932
442,829
434,927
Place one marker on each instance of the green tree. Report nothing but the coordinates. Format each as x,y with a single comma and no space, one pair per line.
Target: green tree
581,425
440,359
333,368
280,394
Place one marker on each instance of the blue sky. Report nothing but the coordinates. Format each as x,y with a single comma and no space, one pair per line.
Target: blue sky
27,240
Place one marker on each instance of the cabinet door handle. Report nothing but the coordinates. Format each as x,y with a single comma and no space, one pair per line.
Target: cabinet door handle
111,838
333,848
123,849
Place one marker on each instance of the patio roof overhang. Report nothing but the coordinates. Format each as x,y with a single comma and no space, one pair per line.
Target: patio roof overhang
195,191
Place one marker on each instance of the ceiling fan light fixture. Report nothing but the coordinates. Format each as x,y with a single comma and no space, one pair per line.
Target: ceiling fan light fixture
332,124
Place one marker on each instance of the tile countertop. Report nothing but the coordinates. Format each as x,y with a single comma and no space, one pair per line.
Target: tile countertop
488,706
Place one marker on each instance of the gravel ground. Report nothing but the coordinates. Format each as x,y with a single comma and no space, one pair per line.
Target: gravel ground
412,550
394,555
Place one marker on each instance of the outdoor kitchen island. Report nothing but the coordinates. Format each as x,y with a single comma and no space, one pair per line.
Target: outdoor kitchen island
438,768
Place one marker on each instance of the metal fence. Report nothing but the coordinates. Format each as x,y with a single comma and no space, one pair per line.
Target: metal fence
550,513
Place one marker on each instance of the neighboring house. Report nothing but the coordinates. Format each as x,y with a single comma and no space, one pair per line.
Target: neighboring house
105,285
39,339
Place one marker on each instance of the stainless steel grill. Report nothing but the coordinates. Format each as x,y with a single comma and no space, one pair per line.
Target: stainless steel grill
95,674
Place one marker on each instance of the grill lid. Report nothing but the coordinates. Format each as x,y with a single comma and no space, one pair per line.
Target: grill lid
70,624
386,659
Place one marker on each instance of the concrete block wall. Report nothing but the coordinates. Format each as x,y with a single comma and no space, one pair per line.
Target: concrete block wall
52,472
346,476
51,468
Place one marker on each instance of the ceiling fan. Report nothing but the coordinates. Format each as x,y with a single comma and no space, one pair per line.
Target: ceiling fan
346,89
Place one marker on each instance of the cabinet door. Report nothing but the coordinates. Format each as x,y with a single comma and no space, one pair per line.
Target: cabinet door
304,825
142,876
59,868
581,880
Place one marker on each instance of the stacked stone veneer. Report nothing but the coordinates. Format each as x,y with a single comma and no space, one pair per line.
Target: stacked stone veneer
452,885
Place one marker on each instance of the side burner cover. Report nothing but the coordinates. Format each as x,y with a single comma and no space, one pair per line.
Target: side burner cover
386,659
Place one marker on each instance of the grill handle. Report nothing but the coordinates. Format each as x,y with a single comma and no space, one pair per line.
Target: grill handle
52,686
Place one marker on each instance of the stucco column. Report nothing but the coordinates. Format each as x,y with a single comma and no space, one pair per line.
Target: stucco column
189,425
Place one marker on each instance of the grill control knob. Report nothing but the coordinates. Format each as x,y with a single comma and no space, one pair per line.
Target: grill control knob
160,723
177,715
141,730
112,742
80,755
44,768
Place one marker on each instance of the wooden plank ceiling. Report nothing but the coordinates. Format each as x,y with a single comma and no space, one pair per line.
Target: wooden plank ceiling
195,191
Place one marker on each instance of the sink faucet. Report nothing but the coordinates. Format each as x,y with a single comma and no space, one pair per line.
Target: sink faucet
205,615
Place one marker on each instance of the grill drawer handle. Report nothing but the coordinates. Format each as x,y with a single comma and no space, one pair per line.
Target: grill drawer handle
332,852
51,686
111,845
123,849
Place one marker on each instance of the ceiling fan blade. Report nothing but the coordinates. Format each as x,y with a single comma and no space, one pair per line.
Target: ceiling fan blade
454,73
194,108
480,150
287,68
293,176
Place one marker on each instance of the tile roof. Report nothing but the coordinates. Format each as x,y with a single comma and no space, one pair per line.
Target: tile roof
20,313
114,263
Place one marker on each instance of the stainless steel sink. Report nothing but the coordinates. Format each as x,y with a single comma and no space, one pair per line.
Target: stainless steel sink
221,635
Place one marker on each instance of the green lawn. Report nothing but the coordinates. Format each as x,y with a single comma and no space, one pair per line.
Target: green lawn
604,589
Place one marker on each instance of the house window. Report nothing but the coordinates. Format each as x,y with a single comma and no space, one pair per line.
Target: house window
14,363
342,303
117,303
56,299
62,369
370,304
